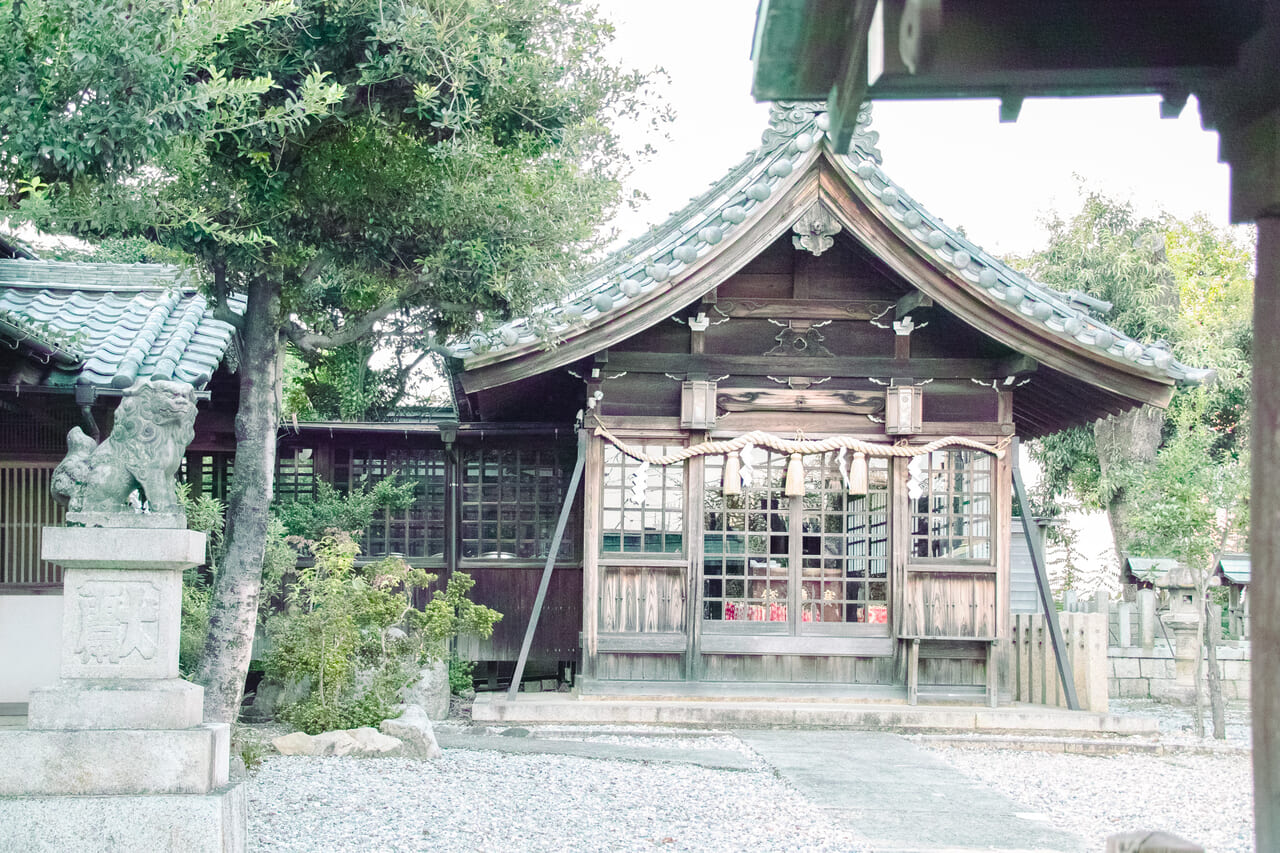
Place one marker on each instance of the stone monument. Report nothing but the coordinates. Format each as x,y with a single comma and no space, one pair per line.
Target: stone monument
116,756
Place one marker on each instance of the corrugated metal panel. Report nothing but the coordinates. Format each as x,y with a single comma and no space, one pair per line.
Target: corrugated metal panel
26,507
1237,567
1023,597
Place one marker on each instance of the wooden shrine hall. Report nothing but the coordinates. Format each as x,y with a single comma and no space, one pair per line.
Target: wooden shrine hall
799,399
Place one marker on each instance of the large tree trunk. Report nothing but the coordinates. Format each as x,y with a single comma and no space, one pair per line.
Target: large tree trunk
233,612
1127,444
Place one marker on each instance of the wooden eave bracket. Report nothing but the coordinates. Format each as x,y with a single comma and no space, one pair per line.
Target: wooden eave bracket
913,300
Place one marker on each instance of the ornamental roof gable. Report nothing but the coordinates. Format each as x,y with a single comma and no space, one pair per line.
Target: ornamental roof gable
677,262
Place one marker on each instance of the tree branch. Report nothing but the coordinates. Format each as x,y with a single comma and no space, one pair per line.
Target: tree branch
351,331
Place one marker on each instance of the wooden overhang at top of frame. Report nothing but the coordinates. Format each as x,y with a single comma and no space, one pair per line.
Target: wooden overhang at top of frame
1087,368
844,51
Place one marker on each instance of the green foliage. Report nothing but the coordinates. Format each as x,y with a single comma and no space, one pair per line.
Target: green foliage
206,514
461,677
335,633
446,160
249,746
1195,497
196,595
1188,283
118,250
330,509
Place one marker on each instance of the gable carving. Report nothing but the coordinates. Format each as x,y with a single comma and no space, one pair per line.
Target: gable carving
815,230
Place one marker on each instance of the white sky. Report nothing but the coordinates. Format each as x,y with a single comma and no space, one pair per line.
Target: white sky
995,180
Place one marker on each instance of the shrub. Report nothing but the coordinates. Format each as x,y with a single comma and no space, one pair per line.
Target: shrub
334,632
460,675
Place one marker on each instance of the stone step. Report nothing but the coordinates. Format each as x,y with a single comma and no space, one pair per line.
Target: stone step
733,713
188,761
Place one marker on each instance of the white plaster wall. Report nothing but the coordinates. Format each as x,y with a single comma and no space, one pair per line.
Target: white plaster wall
30,644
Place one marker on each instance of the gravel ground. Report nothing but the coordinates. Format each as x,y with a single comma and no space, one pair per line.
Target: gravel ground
487,801
484,801
1203,798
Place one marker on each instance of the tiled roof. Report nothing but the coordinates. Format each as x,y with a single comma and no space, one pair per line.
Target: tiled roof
1236,567
795,134
1150,569
111,324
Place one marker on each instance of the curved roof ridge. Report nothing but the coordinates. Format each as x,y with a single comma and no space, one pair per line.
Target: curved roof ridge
633,273
1034,301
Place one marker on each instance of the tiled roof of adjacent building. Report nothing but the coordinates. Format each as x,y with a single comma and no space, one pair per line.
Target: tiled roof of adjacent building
1236,567
657,260
110,325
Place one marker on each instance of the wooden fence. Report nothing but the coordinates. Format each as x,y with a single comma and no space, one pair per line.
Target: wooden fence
25,508
1034,671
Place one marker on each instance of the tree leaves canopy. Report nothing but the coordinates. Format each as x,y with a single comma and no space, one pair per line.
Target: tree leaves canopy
440,160
1184,282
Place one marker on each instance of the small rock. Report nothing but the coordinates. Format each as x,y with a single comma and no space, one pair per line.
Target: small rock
334,743
373,743
297,743
414,729
515,731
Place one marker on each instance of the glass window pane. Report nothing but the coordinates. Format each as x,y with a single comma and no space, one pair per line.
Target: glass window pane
655,522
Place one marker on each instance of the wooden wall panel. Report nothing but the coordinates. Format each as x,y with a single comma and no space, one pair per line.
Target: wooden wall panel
511,591
939,604
26,508
639,667
951,672
636,599
798,669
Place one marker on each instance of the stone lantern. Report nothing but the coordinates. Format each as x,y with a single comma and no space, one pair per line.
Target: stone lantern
1183,619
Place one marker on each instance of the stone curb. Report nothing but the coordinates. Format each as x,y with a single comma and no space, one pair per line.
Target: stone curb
1079,746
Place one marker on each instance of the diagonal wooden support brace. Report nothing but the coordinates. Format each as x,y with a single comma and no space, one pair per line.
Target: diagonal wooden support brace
569,495
1036,545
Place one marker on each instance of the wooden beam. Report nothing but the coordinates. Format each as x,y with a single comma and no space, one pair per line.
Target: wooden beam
1036,543
910,302
1264,535
808,309
799,400
565,510
857,366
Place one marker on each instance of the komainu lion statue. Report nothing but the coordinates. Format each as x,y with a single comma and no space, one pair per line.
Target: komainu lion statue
154,423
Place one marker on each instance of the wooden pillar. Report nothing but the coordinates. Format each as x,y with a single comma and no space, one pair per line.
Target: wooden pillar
1265,535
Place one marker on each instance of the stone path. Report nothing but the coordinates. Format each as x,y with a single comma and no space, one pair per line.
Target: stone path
900,798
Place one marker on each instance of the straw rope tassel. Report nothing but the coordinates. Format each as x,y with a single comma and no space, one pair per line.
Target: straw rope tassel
858,474
732,482
795,477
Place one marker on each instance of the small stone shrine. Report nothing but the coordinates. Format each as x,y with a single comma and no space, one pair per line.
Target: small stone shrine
116,755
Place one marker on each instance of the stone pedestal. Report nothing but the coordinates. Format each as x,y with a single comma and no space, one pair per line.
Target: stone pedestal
116,755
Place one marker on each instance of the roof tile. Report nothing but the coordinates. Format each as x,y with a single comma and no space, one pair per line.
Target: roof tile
111,324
